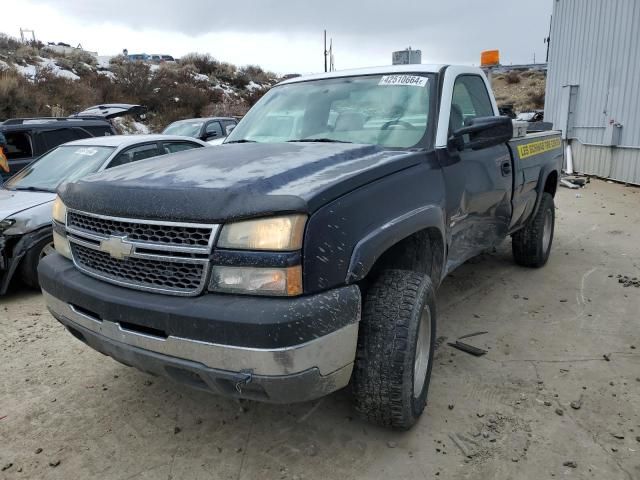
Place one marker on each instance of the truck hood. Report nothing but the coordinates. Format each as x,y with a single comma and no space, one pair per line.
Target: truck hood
234,181
13,203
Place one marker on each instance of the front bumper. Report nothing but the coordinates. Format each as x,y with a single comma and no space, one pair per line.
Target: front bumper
119,322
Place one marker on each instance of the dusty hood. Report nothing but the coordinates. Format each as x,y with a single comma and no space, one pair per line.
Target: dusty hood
12,203
238,180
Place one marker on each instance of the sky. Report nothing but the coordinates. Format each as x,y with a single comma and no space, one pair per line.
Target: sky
286,36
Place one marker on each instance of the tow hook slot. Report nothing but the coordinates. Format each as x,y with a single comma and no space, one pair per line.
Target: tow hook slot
242,378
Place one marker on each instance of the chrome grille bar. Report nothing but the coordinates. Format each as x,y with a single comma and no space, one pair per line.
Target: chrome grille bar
163,257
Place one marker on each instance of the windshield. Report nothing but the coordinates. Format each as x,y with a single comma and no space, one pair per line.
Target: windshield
387,110
63,164
186,128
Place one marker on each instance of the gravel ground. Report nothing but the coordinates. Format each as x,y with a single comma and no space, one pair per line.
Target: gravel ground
557,396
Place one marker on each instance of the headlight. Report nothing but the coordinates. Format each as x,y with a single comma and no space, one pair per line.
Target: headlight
257,281
6,224
59,211
275,233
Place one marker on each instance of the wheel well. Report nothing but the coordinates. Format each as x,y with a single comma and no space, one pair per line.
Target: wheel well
551,184
420,252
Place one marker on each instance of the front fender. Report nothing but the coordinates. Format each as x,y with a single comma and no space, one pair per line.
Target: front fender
16,254
384,236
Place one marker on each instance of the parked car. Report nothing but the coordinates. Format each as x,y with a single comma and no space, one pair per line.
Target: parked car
212,129
299,259
533,116
28,138
26,199
113,110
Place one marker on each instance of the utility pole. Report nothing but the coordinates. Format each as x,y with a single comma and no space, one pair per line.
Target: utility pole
325,50
548,39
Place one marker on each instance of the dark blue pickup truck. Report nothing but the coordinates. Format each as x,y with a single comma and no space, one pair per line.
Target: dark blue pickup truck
305,253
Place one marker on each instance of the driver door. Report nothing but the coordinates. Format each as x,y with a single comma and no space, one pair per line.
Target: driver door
479,182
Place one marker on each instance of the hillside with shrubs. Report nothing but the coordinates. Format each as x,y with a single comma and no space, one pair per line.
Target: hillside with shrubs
524,90
35,81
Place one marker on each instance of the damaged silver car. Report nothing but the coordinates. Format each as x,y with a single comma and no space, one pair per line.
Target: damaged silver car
26,198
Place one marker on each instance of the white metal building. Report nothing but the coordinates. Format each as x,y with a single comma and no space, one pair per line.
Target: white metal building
593,84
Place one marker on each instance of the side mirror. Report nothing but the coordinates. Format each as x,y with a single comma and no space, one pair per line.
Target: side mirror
209,136
482,132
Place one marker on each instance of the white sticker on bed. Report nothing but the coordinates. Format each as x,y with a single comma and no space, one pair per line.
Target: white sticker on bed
404,80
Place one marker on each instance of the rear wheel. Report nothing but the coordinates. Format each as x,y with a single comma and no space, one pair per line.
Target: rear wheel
29,264
532,245
395,349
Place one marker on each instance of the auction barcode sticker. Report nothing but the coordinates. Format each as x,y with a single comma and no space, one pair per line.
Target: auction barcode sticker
404,80
86,151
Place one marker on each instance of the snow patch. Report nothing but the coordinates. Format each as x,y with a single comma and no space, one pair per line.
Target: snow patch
29,71
104,61
201,77
107,73
56,70
254,86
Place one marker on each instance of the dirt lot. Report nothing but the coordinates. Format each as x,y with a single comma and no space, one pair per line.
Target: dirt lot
567,333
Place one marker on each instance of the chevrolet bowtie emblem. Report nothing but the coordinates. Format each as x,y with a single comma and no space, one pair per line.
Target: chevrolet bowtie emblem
117,247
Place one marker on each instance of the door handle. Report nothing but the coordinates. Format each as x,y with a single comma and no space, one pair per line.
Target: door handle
506,169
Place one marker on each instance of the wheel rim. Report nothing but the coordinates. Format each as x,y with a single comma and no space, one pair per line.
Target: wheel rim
48,249
546,232
423,347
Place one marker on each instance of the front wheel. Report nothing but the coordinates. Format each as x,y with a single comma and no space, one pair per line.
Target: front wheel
531,245
395,349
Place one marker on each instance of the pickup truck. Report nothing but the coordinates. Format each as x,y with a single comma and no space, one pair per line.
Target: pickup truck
304,255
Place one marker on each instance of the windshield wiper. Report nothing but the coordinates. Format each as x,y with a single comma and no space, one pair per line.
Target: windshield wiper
32,189
319,140
243,140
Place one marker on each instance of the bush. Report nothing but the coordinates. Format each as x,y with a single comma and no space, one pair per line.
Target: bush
8,44
131,82
512,77
536,98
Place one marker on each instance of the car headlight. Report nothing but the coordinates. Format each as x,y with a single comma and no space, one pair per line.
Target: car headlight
59,211
257,281
6,224
272,234
60,240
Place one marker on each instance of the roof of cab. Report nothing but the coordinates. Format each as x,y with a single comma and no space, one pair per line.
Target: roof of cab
126,140
388,69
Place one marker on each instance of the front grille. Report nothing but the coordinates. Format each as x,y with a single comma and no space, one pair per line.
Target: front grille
171,276
170,257
164,234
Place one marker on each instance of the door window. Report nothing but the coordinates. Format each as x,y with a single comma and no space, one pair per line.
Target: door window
470,100
53,138
213,129
228,123
134,154
18,145
173,147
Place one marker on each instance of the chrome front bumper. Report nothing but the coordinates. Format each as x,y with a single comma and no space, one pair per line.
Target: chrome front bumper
282,375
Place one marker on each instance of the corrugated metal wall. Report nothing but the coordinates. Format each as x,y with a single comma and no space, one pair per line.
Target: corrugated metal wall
595,45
